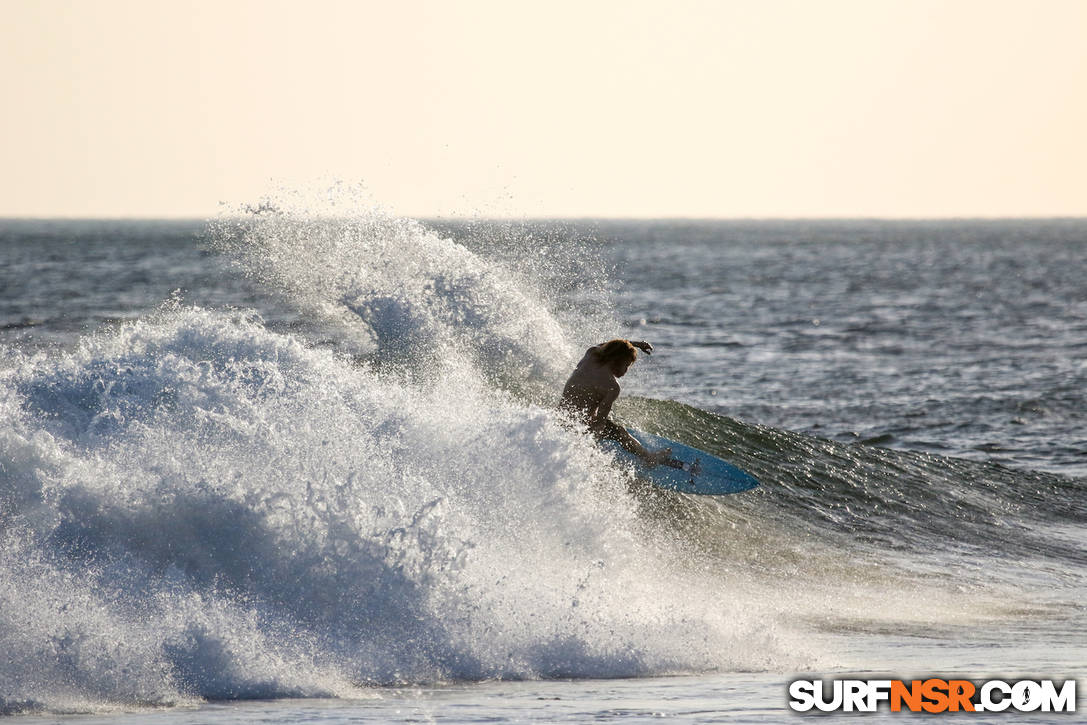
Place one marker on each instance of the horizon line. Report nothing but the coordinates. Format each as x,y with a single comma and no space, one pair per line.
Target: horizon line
576,218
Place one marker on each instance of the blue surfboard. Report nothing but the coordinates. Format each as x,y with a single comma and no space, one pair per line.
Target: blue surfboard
702,473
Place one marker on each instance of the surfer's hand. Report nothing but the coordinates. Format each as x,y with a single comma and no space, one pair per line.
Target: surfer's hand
642,345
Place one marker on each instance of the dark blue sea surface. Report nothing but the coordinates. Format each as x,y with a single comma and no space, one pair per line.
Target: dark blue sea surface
965,338
294,456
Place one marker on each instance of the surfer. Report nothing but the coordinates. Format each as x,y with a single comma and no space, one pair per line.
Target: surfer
594,386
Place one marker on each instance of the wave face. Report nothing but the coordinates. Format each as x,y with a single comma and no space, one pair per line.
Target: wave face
198,506
866,502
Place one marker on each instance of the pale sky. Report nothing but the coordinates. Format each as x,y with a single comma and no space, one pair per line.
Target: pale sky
743,108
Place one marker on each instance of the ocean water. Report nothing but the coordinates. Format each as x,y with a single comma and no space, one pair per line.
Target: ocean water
293,467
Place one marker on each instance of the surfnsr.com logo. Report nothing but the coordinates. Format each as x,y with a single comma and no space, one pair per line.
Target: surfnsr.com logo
933,695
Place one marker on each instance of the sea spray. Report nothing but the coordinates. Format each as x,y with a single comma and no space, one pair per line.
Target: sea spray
400,295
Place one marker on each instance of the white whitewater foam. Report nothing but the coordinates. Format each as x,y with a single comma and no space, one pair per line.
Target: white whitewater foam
196,507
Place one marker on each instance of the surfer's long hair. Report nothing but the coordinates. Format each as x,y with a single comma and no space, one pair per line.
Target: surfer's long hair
616,350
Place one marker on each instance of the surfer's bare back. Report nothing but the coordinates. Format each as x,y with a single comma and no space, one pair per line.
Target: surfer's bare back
594,386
